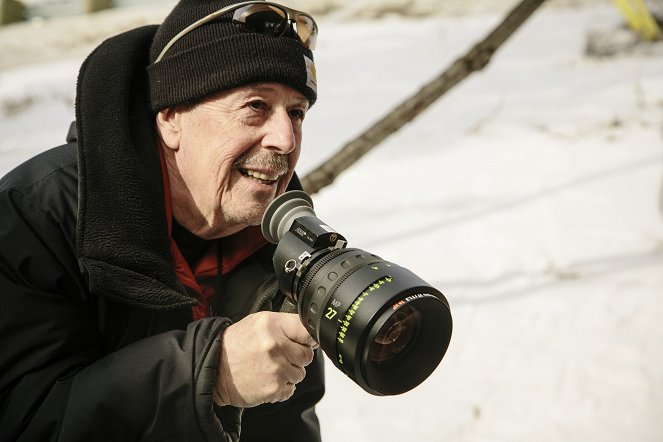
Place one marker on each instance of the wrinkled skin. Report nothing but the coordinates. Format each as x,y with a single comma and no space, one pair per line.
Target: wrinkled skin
210,146
227,158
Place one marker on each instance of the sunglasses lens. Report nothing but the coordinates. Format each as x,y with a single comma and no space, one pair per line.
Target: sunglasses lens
307,30
262,19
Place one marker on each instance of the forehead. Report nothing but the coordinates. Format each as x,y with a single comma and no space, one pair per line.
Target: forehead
276,90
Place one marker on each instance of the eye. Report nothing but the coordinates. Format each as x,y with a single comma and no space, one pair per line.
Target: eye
297,114
258,105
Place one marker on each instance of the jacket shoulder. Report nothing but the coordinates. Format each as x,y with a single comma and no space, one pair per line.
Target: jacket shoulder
56,163
46,184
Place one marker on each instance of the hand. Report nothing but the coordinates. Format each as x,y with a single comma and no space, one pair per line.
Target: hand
262,359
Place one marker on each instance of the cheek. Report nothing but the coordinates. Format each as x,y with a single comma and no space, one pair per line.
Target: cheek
230,146
221,161
293,157
214,161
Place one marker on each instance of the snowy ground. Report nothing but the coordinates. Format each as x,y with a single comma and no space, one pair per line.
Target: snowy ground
529,195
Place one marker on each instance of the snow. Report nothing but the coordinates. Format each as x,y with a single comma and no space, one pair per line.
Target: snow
530,195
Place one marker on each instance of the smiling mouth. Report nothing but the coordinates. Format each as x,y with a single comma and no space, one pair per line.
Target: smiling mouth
260,176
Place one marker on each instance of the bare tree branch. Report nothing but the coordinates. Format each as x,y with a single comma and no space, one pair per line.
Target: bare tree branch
476,59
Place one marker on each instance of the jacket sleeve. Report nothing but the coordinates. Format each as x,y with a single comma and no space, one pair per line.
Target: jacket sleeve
294,419
56,383
291,421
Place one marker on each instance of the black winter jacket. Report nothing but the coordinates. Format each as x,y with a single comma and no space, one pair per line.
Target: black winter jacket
97,340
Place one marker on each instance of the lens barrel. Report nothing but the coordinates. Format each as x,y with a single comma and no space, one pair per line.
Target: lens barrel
382,325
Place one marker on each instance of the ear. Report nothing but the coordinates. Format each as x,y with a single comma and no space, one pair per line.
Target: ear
168,126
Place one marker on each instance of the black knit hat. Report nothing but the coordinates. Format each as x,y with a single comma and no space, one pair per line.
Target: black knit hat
218,56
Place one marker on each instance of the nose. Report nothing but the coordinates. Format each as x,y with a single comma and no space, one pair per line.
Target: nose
280,133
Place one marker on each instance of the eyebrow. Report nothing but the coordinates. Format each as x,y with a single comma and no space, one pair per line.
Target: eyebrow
270,88
261,88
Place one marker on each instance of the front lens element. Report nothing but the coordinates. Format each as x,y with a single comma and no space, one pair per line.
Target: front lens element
394,338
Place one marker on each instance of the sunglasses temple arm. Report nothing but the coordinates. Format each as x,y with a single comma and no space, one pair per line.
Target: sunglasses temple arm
290,13
198,23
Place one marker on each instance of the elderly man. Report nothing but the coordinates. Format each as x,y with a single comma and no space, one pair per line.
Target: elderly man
138,295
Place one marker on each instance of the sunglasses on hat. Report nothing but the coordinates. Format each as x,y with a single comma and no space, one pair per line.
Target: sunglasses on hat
261,17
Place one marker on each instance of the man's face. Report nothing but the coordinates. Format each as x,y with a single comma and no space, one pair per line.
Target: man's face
230,156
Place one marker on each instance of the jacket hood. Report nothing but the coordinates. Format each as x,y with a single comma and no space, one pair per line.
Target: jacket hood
122,236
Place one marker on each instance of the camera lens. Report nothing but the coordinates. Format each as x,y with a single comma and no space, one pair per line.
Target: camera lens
382,325
394,338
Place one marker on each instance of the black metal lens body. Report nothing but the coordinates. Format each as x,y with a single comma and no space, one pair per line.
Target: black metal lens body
382,325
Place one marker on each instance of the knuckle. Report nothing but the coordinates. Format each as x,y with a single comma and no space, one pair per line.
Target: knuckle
263,320
287,392
308,358
305,356
270,346
302,375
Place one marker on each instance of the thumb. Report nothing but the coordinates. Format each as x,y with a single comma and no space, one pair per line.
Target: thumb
294,330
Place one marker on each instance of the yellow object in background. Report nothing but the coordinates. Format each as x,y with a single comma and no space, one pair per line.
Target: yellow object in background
639,18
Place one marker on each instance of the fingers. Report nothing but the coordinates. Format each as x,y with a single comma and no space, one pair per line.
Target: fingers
302,350
294,374
295,331
262,359
286,393
280,387
297,354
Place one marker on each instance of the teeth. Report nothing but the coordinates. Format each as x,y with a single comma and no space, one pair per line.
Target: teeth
262,176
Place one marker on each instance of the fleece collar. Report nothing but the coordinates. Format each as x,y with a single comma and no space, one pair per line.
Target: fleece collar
123,234
122,237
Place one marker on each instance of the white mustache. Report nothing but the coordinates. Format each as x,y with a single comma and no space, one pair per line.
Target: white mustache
276,162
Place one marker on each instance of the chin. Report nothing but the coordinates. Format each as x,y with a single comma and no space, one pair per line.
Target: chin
252,213
282,186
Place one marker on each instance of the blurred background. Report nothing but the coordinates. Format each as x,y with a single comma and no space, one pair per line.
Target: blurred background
530,195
